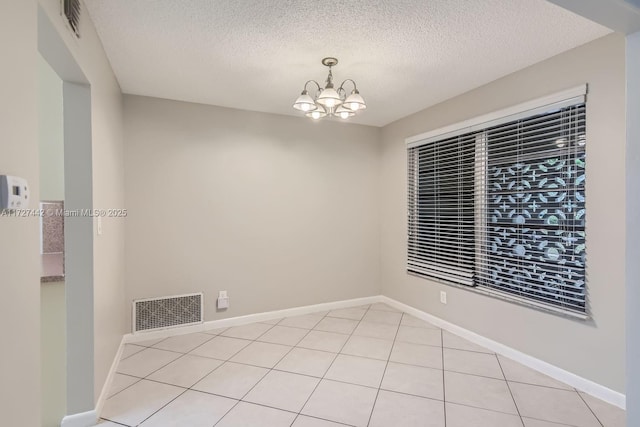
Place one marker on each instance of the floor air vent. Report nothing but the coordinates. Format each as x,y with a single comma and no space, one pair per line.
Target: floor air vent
167,312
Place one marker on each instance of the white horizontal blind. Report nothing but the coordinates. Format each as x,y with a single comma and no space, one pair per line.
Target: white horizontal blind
535,210
503,207
441,209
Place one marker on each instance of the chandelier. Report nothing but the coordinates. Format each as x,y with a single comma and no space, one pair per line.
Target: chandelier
329,101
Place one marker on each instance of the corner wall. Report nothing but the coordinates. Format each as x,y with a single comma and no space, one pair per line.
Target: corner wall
633,234
592,349
279,211
52,294
50,132
20,248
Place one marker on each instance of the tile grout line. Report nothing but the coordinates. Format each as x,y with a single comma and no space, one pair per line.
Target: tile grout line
163,366
426,367
293,347
257,382
510,392
286,410
132,384
373,407
229,360
185,389
270,369
161,408
342,382
590,409
113,422
255,340
145,379
308,331
180,357
170,351
133,354
552,422
213,336
332,362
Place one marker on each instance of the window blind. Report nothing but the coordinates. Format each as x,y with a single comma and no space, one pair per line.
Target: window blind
535,210
441,209
503,207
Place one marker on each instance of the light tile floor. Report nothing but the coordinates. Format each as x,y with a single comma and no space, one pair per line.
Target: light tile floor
360,366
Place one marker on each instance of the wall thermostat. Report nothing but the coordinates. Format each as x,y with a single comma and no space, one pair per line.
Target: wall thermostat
14,192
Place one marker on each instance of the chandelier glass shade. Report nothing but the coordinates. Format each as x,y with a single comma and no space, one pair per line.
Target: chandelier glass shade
329,101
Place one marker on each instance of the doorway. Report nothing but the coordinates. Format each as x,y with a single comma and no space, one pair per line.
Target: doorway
68,337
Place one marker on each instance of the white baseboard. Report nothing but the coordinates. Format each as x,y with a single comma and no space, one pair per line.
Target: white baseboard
250,318
83,419
583,384
601,392
107,383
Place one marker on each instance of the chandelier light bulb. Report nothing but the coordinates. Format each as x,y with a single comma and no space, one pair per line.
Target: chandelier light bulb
343,112
317,113
304,102
355,101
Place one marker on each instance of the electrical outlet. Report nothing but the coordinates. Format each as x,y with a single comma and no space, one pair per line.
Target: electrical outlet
443,297
223,300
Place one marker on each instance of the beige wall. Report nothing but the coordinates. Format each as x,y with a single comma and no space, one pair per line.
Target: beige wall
110,312
52,295
20,250
279,211
53,349
592,349
50,132
633,231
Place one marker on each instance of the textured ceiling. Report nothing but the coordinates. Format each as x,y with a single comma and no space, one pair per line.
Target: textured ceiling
405,55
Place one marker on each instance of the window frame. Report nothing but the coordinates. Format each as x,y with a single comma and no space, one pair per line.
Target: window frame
479,126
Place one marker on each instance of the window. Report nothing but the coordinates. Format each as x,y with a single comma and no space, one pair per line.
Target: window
498,204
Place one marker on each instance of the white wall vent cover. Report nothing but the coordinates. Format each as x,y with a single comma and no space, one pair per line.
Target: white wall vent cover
167,312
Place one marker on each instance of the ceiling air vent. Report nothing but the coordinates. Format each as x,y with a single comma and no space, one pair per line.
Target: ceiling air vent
71,9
